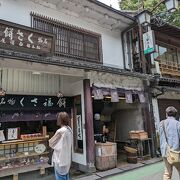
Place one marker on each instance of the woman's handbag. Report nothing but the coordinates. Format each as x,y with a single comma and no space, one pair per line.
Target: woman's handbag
173,157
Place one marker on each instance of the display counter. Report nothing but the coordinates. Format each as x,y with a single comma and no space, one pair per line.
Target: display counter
17,156
106,155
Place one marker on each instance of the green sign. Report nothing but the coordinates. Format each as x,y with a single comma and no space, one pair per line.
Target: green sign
149,50
149,42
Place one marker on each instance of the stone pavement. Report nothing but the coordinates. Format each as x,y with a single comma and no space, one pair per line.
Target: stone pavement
121,169
77,175
150,172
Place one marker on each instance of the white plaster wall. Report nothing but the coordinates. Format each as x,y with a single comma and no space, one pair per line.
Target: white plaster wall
127,120
77,89
103,79
170,94
18,11
16,81
18,78
156,113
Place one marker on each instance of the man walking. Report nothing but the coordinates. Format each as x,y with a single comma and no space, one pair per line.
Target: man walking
170,129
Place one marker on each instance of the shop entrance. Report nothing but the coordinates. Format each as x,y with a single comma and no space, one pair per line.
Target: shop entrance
28,114
119,118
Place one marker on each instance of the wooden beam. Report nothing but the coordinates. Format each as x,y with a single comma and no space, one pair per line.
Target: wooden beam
89,125
162,37
142,59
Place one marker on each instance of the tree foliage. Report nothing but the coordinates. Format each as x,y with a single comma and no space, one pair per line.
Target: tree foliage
138,5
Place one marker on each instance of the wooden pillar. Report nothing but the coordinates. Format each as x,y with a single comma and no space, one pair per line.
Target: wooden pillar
149,117
90,154
141,49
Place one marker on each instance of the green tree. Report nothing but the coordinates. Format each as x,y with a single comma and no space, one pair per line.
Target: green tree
138,5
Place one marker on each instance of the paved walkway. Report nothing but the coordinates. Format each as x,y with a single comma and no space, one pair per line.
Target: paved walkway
129,168
125,172
150,172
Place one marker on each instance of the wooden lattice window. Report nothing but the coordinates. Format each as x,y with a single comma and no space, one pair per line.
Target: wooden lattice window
70,40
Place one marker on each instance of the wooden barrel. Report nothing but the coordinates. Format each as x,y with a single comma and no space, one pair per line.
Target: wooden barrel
106,155
131,157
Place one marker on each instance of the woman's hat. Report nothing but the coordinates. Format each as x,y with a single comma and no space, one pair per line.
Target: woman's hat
171,109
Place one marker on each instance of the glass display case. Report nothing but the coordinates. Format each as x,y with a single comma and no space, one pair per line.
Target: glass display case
31,151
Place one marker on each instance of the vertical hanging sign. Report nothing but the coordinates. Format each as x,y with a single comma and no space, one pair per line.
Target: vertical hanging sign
114,96
79,127
98,94
141,97
149,42
129,98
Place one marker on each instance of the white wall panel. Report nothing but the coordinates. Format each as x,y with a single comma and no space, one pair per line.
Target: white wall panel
24,82
77,89
156,113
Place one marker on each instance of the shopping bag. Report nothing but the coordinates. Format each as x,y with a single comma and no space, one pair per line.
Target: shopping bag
173,157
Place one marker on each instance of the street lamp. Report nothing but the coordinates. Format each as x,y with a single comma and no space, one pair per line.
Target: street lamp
171,5
144,17
60,94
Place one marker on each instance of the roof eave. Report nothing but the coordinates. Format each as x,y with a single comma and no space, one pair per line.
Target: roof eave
112,9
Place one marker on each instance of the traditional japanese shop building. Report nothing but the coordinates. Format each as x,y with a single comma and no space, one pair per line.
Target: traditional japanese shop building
167,64
55,56
163,64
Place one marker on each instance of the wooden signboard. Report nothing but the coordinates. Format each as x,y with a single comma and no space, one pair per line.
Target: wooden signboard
25,39
26,102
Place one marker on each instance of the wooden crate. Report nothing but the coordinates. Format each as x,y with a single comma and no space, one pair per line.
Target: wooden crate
138,135
170,69
106,155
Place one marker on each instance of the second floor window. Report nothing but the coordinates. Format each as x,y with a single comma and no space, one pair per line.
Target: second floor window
70,41
167,54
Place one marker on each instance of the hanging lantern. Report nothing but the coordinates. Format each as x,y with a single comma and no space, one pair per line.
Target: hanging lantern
2,92
144,17
171,5
60,94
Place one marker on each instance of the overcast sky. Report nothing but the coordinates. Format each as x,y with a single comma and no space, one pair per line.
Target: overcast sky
114,3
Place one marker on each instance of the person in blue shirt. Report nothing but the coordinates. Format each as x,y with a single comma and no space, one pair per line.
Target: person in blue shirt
172,128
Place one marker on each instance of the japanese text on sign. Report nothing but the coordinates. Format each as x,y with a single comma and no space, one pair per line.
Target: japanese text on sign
79,127
149,42
16,36
16,101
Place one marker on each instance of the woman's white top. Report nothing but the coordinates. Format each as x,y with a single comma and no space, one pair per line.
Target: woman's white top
61,142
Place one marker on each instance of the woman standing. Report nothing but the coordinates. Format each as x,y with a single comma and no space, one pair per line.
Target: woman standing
61,143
